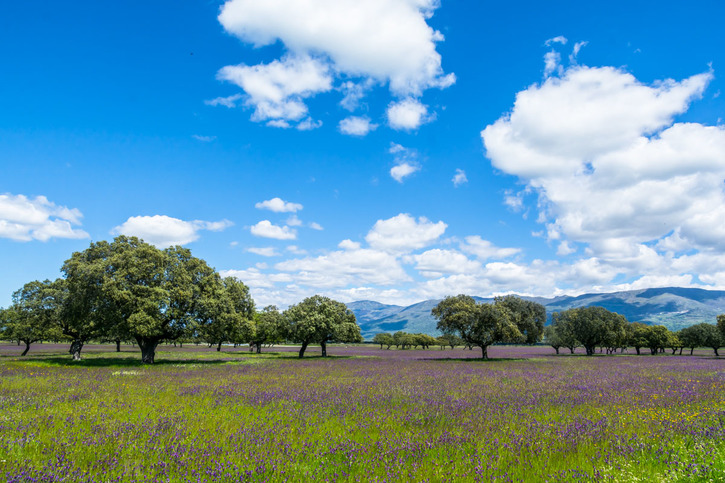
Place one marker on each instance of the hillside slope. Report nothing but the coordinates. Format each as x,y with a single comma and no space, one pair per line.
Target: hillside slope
672,307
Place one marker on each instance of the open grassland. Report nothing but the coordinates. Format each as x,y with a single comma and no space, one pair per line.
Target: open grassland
363,414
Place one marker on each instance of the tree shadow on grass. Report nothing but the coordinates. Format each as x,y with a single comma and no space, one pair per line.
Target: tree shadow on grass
473,359
124,361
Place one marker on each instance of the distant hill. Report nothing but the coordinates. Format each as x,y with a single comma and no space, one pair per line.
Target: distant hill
673,307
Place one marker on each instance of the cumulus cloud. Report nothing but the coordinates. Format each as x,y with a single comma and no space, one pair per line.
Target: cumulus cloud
26,219
341,268
164,231
276,90
348,244
403,233
266,229
376,41
436,262
403,170
484,249
459,178
263,251
407,114
278,205
356,126
614,171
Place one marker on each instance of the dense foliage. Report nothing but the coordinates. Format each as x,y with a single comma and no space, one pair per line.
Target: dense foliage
130,290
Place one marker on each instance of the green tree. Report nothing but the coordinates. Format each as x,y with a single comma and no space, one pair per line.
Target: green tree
269,327
156,294
321,320
477,324
637,336
529,316
35,309
589,325
657,337
88,313
384,339
424,340
225,312
552,338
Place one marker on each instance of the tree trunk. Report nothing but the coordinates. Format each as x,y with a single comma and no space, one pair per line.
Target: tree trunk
219,346
302,350
637,349
118,345
324,348
259,348
27,347
692,349
716,354
484,352
571,349
148,349
557,350
75,349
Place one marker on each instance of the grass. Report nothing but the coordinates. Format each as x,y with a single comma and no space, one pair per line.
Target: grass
362,415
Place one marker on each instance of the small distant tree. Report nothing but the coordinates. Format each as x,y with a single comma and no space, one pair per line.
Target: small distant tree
424,340
477,324
401,339
590,325
551,337
564,331
711,337
638,336
269,327
321,320
674,342
384,339
657,337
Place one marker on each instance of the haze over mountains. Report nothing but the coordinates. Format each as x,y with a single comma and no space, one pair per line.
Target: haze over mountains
672,307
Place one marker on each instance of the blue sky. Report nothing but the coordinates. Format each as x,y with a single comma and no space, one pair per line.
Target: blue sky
394,150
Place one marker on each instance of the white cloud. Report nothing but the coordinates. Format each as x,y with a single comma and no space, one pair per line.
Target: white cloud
403,170
229,101
361,43
164,231
308,125
278,205
294,221
276,90
296,250
484,249
402,233
348,244
316,226
264,251
433,263
459,178
25,219
560,39
614,171
354,92
356,126
387,40
266,229
342,268
407,114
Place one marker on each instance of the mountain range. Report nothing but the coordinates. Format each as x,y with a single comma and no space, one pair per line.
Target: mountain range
673,307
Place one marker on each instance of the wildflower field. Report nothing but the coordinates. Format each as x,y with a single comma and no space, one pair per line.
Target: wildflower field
363,414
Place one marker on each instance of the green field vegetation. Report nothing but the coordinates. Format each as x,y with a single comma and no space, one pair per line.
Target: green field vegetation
361,414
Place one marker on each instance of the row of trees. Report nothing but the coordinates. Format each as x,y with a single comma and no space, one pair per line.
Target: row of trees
508,319
131,290
592,327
